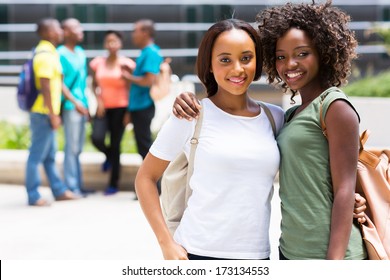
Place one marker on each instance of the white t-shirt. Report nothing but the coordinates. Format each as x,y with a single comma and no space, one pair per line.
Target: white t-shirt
235,164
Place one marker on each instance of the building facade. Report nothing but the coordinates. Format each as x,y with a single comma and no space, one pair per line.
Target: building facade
180,26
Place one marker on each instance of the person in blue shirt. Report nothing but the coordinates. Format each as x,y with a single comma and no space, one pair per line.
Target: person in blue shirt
141,105
75,104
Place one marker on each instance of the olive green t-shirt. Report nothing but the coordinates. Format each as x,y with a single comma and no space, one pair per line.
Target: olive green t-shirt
306,191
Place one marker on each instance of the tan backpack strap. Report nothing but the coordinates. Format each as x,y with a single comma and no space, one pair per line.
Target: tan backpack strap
194,144
322,121
270,117
364,138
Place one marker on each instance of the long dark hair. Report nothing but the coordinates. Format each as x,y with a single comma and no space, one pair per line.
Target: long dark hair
203,62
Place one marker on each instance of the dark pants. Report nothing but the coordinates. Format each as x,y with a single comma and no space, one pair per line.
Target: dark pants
281,256
142,120
111,123
197,257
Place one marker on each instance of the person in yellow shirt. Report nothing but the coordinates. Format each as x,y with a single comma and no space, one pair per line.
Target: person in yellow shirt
44,115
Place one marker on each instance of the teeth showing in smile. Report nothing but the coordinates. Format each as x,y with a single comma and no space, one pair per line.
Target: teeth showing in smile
236,80
294,75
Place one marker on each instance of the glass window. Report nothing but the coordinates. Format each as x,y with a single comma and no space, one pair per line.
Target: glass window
61,12
99,14
191,14
208,13
386,14
81,13
226,11
3,13
3,35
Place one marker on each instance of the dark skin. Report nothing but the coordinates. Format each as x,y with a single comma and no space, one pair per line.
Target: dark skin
52,32
343,125
297,64
141,38
187,106
55,120
73,35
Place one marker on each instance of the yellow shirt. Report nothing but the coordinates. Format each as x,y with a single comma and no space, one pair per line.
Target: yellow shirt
47,65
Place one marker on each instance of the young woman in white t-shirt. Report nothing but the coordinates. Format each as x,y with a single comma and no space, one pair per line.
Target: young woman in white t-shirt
236,160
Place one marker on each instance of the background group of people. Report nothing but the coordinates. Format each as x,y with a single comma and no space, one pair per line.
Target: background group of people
121,86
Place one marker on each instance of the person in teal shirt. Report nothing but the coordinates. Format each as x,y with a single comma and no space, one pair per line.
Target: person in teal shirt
75,103
141,105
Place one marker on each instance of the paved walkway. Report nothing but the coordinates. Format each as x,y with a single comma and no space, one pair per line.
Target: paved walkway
93,228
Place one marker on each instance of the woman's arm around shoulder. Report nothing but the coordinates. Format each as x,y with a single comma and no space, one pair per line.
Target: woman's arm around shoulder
186,106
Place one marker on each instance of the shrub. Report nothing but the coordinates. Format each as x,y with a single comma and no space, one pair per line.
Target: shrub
17,137
375,86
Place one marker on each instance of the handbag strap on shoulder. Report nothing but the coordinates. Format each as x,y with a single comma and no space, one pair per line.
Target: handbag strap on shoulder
269,115
194,144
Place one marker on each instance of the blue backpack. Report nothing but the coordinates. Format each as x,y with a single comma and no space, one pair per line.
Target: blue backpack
27,91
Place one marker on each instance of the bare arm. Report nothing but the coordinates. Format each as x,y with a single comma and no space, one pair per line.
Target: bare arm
144,81
343,136
68,96
146,187
186,106
100,111
55,120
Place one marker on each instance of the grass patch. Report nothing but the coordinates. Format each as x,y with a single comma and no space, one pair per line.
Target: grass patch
17,137
375,86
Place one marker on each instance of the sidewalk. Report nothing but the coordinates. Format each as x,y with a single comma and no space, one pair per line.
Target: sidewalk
94,228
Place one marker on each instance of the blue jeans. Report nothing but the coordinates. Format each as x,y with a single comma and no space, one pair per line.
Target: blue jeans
74,127
42,150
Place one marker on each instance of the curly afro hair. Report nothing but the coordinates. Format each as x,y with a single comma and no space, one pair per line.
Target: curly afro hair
326,25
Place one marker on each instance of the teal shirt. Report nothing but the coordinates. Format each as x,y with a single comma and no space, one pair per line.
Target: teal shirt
148,62
74,65
306,190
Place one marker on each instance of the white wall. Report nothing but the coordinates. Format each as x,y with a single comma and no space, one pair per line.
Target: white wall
374,115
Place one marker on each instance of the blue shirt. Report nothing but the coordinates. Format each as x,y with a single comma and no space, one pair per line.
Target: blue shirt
74,67
148,62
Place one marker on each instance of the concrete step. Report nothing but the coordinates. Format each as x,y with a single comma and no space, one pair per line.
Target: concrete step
13,165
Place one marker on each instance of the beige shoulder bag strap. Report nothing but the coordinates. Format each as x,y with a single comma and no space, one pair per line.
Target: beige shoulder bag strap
270,117
194,144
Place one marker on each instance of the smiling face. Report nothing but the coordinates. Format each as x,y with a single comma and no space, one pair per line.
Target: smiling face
297,61
233,61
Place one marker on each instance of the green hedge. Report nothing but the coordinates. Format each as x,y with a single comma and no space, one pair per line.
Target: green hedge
375,86
18,137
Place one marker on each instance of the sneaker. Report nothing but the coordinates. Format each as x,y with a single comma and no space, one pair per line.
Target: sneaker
111,190
87,191
106,165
